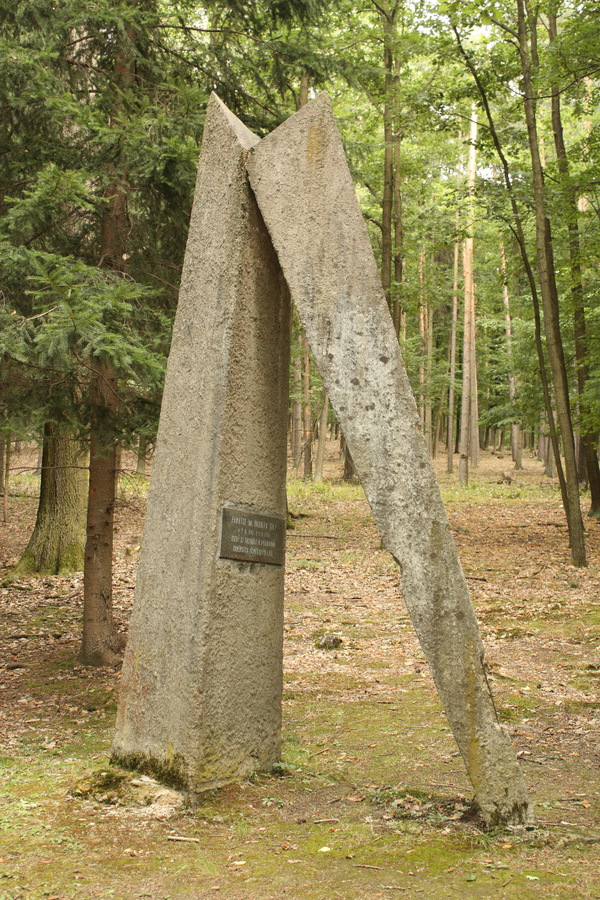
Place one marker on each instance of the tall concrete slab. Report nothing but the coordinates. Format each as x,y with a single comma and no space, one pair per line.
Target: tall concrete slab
304,190
200,700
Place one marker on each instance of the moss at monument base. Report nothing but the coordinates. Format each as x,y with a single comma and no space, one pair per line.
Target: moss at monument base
171,772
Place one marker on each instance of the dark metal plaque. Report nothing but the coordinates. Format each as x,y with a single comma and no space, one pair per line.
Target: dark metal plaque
253,537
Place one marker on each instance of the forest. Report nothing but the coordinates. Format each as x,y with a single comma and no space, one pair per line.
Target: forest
473,137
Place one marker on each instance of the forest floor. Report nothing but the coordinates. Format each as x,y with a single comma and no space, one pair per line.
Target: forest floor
373,800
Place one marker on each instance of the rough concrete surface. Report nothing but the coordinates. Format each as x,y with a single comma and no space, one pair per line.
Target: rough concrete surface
200,699
304,190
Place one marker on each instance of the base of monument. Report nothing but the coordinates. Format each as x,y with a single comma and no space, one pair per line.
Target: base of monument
172,773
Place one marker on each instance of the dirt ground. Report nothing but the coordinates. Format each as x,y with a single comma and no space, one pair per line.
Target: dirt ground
372,799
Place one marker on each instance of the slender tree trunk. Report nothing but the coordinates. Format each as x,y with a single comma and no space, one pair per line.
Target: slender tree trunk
516,442
428,381
387,17
101,644
550,461
423,327
548,291
398,314
297,413
2,458
465,406
321,439
520,235
588,441
453,331
470,293
57,541
469,433
307,413
142,456
349,470
6,476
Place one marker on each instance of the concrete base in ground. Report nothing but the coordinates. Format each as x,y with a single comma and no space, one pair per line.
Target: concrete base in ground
304,190
200,700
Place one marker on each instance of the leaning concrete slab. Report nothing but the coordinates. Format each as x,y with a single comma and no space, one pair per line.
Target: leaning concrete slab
304,190
200,699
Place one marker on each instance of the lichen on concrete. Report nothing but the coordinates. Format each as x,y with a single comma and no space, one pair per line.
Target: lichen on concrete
202,676
305,192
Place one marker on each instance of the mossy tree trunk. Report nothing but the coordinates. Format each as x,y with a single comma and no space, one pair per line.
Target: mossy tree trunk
57,542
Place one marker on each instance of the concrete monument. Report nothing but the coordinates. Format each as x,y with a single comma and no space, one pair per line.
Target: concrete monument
204,597
202,676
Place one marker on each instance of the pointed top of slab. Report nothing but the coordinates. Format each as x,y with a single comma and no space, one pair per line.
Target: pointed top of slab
310,132
216,106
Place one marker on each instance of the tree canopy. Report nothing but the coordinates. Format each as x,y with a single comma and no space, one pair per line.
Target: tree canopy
103,107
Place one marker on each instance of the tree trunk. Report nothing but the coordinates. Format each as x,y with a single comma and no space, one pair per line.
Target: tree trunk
520,235
453,330
470,294
588,442
57,541
387,17
423,328
307,413
297,414
516,441
5,474
548,291
321,439
398,314
349,470
2,459
469,434
141,458
101,643
550,467
428,381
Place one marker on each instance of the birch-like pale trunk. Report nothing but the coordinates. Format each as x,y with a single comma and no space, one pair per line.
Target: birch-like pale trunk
469,434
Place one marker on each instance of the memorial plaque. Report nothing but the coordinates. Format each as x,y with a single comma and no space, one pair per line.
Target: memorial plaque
252,537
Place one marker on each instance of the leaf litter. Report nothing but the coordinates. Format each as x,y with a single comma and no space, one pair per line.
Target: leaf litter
364,733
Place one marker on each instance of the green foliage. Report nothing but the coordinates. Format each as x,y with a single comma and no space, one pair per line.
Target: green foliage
71,130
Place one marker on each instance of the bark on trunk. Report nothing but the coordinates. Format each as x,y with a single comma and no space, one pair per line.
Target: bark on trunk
349,470
307,414
2,458
5,476
321,439
520,235
548,291
387,17
454,327
297,414
142,456
58,538
469,435
398,313
101,643
588,442
516,441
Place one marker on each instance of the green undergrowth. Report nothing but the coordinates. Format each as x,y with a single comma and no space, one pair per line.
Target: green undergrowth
326,490
485,491
371,799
